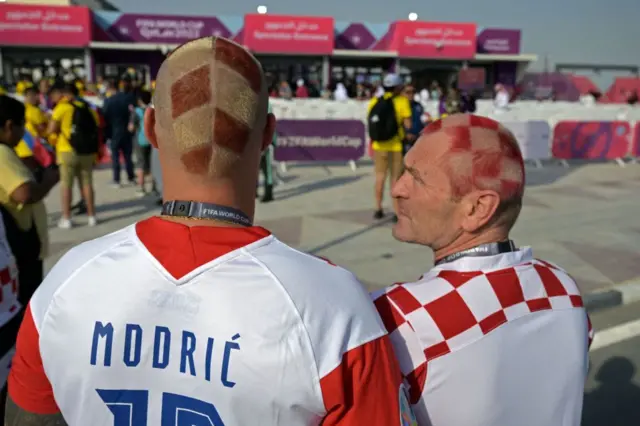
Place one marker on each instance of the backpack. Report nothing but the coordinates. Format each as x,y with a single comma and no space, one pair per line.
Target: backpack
84,138
383,124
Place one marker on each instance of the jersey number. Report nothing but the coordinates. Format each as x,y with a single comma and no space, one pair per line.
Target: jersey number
129,408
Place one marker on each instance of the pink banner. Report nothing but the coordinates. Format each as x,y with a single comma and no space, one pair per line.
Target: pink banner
305,35
591,140
434,39
51,26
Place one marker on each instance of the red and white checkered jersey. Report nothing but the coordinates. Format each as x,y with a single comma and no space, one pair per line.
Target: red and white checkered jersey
491,341
9,306
164,324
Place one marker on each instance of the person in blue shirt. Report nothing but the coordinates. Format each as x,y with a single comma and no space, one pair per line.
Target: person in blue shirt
118,112
417,111
142,147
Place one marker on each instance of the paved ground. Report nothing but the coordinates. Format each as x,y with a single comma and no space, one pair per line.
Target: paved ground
612,396
583,218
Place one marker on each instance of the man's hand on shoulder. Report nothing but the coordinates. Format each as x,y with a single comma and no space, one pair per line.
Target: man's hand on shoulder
16,416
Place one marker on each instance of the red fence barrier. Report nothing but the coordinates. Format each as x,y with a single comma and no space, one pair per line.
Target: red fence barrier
635,149
591,140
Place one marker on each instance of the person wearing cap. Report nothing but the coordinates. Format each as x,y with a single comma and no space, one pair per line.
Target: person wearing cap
387,155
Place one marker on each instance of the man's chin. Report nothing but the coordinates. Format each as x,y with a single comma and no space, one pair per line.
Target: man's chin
400,232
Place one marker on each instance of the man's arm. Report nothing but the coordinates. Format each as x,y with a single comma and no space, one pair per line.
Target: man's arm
54,125
366,388
16,416
407,346
407,115
30,400
18,181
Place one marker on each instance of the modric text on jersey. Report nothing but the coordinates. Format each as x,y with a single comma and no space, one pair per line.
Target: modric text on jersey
193,350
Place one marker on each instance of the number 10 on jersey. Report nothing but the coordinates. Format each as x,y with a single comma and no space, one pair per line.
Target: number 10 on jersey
130,407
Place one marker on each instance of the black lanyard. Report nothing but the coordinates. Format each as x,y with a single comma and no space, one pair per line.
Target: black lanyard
489,249
196,210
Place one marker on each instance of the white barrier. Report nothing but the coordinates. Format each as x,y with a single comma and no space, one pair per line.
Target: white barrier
551,112
533,138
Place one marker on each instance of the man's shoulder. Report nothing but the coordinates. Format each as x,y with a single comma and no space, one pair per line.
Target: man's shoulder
451,309
401,101
295,267
73,262
372,102
334,307
6,152
62,108
10,160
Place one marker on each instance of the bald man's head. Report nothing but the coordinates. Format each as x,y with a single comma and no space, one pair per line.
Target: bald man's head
475,155
210,105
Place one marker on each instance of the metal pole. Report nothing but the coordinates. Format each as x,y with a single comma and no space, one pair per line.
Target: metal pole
88,66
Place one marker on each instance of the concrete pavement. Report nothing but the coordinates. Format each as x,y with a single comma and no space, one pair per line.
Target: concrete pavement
612,394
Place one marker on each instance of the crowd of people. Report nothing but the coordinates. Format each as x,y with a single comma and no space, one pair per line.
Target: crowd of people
362,90
53,138
198,316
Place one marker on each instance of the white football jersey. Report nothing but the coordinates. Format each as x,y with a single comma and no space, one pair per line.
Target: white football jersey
491,341
164,324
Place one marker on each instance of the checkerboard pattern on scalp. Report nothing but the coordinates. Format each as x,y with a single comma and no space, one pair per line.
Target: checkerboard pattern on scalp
482,154
211,89
455,309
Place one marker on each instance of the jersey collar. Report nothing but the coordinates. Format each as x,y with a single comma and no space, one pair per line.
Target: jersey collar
485,263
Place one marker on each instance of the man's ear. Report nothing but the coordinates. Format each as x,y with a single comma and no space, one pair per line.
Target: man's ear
150,126
480,207
269,130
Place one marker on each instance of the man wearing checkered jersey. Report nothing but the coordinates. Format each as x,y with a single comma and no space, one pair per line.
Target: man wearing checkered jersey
198,317
490,336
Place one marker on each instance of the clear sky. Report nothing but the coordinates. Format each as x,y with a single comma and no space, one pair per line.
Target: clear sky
584,31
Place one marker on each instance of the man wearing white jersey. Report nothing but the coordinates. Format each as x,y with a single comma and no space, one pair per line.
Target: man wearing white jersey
198,317
490,336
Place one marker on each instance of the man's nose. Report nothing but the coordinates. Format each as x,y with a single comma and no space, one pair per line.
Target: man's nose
398,188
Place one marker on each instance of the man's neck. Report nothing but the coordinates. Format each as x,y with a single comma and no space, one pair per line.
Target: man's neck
466,241
202,222
221,198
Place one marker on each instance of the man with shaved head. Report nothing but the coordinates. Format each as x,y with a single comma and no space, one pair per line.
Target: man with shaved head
198,317
490,336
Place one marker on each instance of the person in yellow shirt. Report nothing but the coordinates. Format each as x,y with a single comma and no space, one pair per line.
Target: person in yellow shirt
72,164
23,211
387,154
36,126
